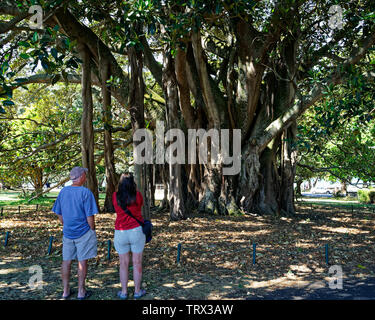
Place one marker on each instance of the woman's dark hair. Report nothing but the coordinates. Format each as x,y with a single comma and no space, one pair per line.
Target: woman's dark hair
127,190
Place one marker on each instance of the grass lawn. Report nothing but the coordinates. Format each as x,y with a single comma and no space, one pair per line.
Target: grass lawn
12,198
346,203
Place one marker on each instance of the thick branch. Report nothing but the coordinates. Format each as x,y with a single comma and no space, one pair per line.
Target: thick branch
68,135
150,62
9,25
61,182
75,30
208,97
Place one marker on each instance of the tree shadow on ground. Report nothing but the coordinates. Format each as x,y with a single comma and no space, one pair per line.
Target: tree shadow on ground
216,260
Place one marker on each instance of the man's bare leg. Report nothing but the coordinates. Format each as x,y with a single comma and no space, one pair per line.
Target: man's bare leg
82,272
65,276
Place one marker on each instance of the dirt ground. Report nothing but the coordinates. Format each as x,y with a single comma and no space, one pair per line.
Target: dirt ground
216,259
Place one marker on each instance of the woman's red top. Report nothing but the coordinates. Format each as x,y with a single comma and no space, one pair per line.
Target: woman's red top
123,220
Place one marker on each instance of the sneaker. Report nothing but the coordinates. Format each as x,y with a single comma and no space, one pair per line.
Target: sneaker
140,294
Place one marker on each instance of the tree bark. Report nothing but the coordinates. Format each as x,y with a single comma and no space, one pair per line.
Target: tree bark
151,183
87,129
288,170
136,108
266,200
176,198
109,157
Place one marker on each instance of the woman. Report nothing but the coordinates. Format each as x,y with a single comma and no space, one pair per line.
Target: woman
128,234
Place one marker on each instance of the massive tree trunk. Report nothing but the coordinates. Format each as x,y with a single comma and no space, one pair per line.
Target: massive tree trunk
87,129
176,197
249,177
288,169
190,120
215,109
274,192
136,108
267,198
109,158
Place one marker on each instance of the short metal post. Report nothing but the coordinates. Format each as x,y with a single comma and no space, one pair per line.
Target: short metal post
6,239
109,250
50,245
254,252
178,252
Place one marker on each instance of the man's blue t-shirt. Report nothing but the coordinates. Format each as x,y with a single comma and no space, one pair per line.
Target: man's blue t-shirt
75,204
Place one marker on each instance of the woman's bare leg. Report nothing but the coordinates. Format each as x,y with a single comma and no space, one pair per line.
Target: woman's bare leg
124,271
137,271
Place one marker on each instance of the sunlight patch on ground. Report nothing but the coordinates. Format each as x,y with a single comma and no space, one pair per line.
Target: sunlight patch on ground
169,285
341,230
300,268
10,270
187,284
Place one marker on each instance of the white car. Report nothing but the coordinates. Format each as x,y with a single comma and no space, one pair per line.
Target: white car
320,190
352,189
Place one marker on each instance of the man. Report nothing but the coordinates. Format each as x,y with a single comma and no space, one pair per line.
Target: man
76,207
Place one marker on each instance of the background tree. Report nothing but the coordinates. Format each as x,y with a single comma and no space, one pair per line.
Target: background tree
336,137
29,149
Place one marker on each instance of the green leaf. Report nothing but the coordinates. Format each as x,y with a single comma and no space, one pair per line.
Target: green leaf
45,64
2,110
24,56
8,103
66,43
35,37
4,67
20,80
54,53
24,44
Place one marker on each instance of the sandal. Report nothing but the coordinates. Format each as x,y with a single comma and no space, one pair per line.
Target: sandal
87,294
122,296
68,296
140,294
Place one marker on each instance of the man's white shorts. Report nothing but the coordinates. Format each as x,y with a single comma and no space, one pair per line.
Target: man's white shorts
82,248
